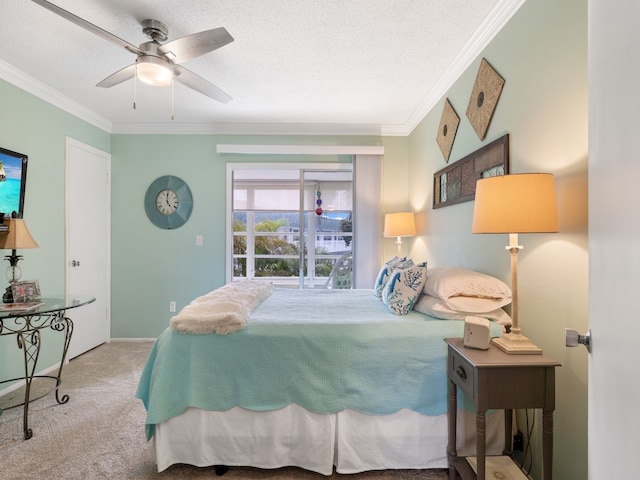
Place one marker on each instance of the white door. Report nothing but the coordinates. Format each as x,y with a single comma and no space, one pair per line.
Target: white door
614,238
88,233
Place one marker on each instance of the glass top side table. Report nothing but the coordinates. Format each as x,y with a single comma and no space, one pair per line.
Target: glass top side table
26,322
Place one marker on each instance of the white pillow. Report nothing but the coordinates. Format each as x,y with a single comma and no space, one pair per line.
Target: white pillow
404,288
466,290
385,272
434,307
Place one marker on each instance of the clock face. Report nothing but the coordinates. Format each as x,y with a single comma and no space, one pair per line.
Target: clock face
167,201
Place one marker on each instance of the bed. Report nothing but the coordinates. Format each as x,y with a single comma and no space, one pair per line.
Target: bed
312,378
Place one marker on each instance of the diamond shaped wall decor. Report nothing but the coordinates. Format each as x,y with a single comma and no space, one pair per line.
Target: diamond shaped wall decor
484,98
447,130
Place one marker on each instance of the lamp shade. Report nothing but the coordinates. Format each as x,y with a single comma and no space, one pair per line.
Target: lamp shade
520,203
400,224
17,237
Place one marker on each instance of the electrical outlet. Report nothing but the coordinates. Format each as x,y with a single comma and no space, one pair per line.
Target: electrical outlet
172,307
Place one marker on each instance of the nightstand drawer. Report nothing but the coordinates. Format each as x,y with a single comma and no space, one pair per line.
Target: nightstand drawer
462,373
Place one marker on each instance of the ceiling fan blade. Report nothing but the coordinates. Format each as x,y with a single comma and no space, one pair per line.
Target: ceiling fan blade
120,76
81,22
191,80
192,46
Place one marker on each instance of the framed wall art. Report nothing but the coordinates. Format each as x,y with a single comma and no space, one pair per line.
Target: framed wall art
457,182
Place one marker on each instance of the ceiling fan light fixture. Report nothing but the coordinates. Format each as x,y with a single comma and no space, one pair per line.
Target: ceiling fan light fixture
154,71
157,62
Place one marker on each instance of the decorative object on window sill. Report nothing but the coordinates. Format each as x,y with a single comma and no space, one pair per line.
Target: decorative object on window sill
523,203
457,182
484,98
400,224
447,130
17,237
319,203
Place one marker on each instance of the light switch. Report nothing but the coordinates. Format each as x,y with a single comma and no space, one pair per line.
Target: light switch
199,240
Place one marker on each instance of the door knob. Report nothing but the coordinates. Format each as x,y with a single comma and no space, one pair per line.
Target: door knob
573,338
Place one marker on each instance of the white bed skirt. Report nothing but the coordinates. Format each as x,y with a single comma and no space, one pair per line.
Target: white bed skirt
293,436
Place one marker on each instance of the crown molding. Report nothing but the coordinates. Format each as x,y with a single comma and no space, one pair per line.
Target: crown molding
492,24
30,85
301,149
248,129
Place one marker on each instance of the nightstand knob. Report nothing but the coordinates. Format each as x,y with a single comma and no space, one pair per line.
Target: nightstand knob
461,373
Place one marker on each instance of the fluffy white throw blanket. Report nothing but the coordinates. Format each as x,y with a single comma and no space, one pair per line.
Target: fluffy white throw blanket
222,311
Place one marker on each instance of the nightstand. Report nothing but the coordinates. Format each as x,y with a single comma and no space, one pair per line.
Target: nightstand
492,379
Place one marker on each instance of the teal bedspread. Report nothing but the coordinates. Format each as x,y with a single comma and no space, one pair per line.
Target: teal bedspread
325,350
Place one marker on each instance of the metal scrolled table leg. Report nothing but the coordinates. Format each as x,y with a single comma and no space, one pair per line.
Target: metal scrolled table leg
62,324
29,343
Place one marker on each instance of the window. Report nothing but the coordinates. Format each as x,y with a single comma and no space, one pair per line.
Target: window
278,232
365,166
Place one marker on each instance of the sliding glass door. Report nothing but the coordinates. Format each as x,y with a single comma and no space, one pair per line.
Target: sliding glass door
326,220
292,226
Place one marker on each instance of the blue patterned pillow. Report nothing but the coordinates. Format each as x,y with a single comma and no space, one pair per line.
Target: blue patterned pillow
386,271
404,288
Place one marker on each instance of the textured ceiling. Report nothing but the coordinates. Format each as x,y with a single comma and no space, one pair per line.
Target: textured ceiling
322,66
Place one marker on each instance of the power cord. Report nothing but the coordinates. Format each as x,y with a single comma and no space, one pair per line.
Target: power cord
528,452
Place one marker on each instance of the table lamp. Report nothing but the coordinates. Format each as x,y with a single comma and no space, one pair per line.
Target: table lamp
16,237
400,224
521,203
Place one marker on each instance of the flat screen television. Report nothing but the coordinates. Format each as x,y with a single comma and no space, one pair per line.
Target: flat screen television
13,178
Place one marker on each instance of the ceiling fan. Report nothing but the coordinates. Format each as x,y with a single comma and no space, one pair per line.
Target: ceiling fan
159,63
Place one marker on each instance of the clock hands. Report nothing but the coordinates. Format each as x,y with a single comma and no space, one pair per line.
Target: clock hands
167,202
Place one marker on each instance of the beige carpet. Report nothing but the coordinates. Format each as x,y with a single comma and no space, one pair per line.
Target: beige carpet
99,433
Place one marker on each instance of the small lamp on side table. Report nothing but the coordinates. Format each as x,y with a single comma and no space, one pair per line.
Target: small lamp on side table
522,203
16,237
400,224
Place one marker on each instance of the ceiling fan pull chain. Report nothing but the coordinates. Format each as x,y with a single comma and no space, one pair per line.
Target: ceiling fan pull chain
172,102
135,87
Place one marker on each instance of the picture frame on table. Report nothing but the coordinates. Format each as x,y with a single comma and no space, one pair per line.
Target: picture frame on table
25,291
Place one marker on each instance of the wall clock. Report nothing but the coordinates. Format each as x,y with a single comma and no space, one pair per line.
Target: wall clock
168,202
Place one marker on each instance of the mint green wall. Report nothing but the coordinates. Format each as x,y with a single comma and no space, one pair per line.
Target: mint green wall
395,174
31,126
542,55
152,266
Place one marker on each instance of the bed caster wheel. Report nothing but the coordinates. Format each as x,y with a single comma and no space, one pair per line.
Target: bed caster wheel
221,470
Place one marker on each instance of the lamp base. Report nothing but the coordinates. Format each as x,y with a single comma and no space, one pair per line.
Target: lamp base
516,344
8,295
